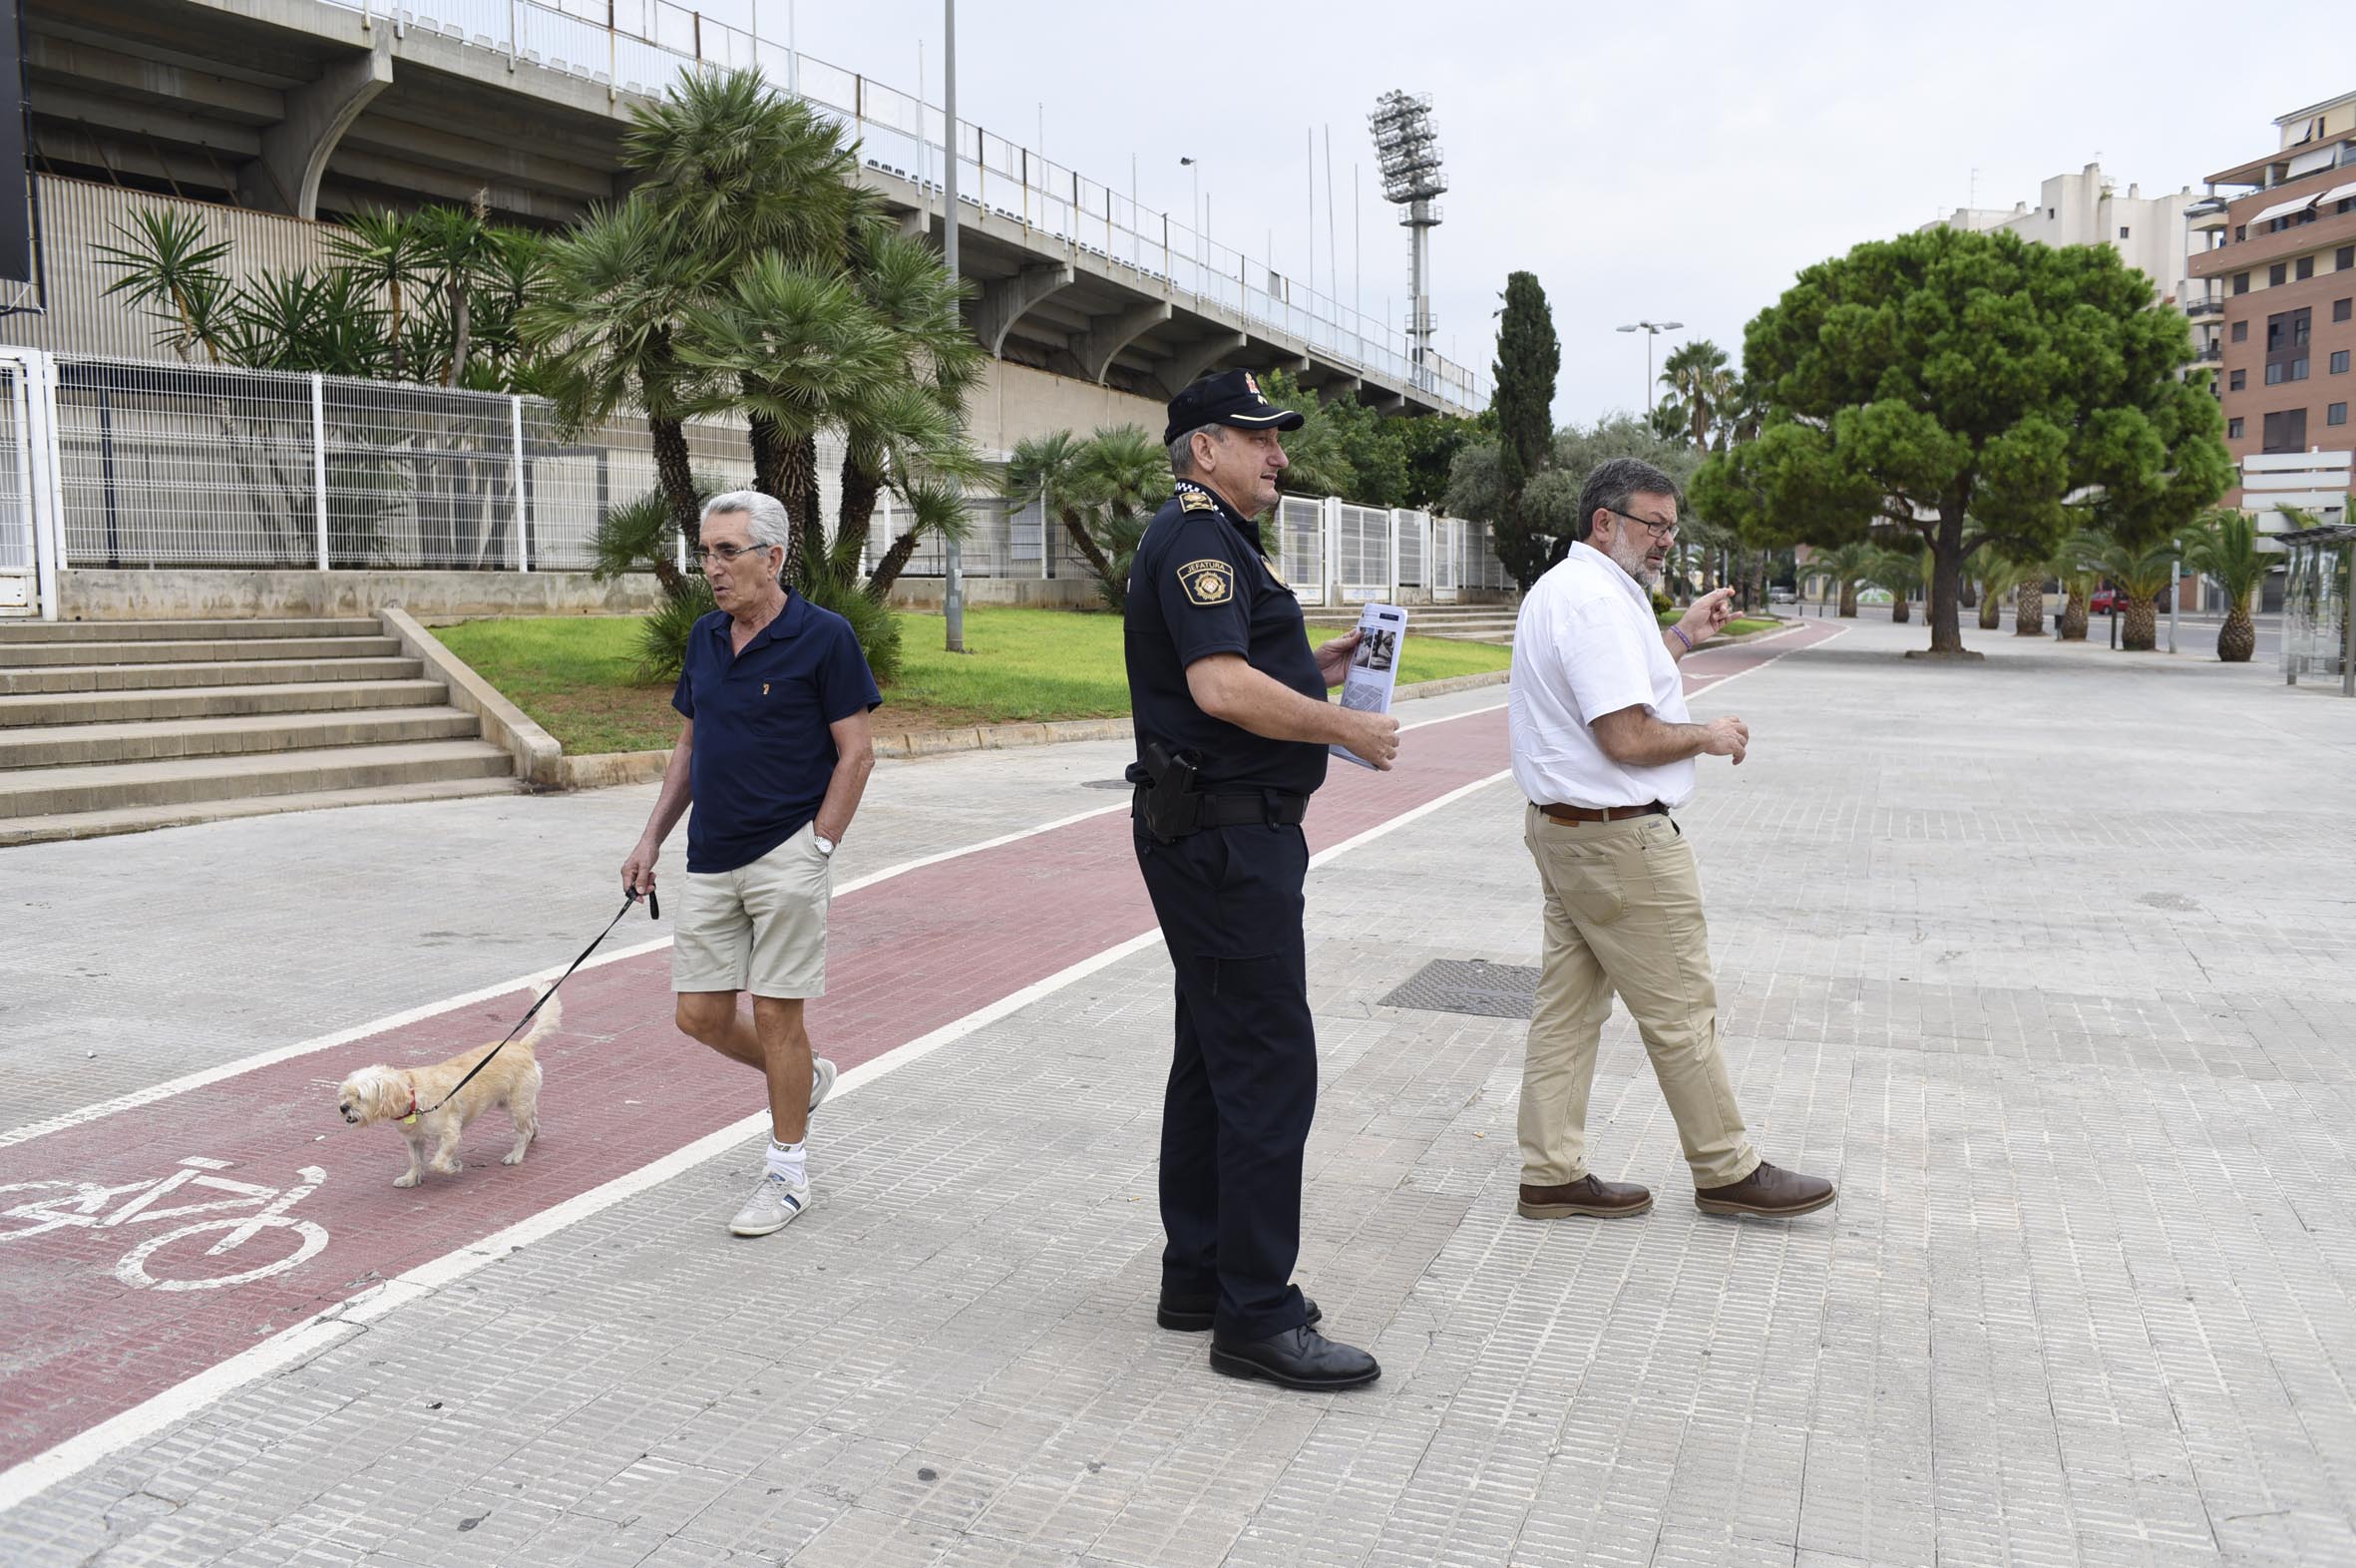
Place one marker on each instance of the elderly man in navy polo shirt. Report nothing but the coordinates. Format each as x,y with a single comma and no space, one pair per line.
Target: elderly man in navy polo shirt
774,754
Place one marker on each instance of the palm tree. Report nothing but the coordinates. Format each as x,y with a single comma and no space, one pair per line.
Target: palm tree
922,428
1123,474
744,173
1045,469
606,329
2138,574
2224,545
1997,574
1902,573
1697,374
2073,566
2029,601
1847,566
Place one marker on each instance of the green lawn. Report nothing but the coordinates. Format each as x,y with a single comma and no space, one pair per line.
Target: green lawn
575,675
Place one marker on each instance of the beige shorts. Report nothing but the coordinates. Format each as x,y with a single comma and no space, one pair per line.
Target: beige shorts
760,927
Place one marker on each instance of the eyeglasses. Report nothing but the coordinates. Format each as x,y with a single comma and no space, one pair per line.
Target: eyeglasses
1665,529
706,553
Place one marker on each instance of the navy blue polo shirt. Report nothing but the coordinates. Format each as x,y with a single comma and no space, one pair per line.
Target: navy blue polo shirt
763,754
1201,584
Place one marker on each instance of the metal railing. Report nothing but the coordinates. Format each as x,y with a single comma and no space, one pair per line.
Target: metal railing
150,466
638,46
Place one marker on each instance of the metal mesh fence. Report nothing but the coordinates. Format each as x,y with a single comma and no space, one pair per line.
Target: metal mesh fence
1300,547
163,464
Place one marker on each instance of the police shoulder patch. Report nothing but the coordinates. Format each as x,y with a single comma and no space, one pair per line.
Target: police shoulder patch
1208,582
1196,501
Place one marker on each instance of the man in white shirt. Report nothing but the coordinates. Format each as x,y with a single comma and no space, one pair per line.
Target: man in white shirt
1604,748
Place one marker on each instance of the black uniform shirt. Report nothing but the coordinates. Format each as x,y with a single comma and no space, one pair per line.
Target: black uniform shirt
1201,584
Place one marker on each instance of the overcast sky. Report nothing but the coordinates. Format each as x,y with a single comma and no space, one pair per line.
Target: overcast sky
1670,161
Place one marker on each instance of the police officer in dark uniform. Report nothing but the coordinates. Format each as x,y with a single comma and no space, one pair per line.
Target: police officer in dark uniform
1232,729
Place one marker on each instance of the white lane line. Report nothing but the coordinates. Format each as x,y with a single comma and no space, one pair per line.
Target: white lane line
1717,681
325,1329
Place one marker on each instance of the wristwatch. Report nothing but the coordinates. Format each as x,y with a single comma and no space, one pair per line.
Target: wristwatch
826,845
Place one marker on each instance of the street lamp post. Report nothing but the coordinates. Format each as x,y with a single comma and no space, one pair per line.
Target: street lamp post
1650,330
953,583
1196,165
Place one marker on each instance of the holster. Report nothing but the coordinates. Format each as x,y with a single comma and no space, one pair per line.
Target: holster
1167,804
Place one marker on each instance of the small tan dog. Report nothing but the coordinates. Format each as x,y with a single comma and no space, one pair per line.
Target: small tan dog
401,1094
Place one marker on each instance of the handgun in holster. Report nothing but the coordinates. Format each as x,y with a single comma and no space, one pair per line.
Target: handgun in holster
1168,804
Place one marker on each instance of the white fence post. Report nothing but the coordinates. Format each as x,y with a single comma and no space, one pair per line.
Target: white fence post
1390,518
319,460
522,549
1330,531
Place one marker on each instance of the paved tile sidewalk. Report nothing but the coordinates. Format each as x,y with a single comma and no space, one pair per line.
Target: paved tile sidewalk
2047,959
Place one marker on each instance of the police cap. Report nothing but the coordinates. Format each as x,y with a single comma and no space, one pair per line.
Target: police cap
1227,397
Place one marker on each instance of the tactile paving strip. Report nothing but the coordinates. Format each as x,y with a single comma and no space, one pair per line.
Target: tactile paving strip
1475,985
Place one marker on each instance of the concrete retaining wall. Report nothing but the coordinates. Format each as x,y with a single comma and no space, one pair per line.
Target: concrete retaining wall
178,594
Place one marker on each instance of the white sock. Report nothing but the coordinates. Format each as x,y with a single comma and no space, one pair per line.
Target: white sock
787,1161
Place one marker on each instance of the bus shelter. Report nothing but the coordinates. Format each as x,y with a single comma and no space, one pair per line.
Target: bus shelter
2318,632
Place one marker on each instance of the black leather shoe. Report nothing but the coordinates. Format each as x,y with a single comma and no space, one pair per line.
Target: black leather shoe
1192,1314
1296,1358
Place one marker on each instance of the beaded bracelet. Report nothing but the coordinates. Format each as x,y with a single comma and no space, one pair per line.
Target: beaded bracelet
1682,637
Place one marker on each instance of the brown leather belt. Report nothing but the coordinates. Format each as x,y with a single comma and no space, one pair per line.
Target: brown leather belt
1602,813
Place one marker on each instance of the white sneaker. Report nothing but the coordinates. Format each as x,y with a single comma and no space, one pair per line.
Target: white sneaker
822,1081
774,1205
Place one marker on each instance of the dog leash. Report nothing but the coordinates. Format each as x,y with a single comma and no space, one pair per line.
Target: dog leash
629,899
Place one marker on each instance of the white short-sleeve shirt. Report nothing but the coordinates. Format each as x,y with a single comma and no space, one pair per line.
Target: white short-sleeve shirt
1587,644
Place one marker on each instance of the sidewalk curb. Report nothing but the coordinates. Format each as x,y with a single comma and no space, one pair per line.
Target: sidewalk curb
540,761
601,769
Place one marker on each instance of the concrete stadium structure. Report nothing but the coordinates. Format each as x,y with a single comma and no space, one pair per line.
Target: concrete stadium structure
284,110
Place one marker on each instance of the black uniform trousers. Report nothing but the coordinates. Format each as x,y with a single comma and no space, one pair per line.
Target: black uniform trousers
1243,1078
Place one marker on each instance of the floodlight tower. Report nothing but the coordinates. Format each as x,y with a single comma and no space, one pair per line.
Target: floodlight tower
1408,148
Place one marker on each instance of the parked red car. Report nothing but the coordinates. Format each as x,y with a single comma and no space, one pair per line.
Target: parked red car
2104,600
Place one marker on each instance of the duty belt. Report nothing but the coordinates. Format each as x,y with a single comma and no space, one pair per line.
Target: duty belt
1243,809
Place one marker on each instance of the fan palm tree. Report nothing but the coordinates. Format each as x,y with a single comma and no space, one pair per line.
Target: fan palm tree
2224,547
1997,574
745,172
923,429
2137,573
384,250
1045,469
1698,374
606,329
1847,566
795,350
2028,600
2075,568
1124,474
1902,573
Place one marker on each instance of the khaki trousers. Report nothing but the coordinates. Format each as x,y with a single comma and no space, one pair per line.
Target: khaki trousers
1623,915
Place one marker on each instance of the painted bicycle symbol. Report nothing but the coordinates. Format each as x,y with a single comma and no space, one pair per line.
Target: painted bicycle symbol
86,1205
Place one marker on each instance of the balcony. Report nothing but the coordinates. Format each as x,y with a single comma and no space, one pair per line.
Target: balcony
2211,306
2209,354
2205,214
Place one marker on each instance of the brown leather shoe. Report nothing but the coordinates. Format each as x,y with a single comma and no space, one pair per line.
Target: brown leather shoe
1602,1200
1767,1191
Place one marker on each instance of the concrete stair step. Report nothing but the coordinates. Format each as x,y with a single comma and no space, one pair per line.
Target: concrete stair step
39,655
85,745
12,632
139,819
151,677
44,710
45,792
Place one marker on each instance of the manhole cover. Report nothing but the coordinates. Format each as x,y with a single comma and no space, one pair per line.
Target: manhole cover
1475,985
2169,900
1107,784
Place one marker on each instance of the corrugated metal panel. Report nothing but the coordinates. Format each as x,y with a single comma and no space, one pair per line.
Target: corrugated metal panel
78,214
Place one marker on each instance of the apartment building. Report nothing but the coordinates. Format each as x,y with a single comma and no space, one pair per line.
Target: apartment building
2148,232
2273,301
